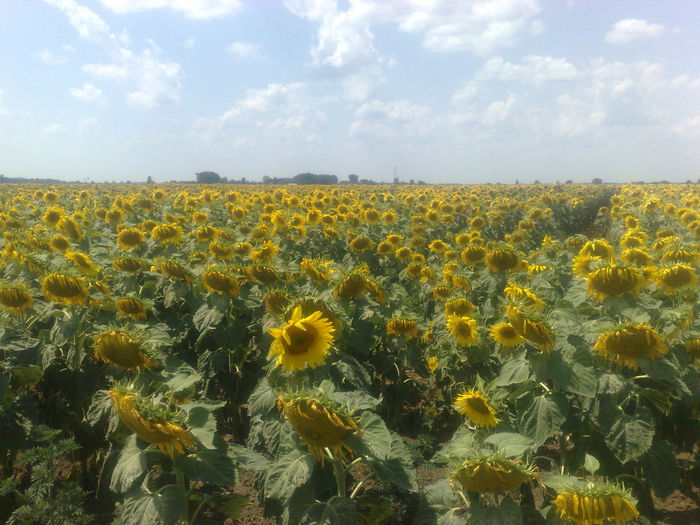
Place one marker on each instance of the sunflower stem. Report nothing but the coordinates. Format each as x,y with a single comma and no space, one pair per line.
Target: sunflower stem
340,472
180,479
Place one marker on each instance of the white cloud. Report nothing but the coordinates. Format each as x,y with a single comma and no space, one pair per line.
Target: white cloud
499,111
390,120
244,50
155,82
534,69
575,117
280,112
631,29
198,9
688,127
88,93
189,43
47,57
87,123
53,129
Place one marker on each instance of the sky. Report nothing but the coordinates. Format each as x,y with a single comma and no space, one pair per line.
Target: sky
453,91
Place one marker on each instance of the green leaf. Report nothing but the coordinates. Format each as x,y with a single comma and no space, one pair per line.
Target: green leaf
506,513
661,468
230,505
510,443
561,482
202,423
246,458
591,464
376,438
542,416
451,517
631,435
164,507
610,383
397,467
287,473
180,375
207,317
263,399
335,511
461,445
513,372
130,468
27,375
208,465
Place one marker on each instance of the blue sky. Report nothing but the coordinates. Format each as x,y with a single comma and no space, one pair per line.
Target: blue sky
447,91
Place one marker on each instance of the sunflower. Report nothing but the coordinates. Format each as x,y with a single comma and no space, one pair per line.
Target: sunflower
461,307
52,215
315,270
493,473
504,334
689,257
70,227
433,363
353,286
502,260
131,307
302,341
219,282
360,244
64,289
626,344
266,252
83,262
598,248
536,332
613,280
263,274
152,425
172,269
276,301
402,327
119,348
463,329
130,238
441,293
319,423
167,233
129,265
581,265
475,407
692,346
676,277
524,296
596,504
59,243
16,299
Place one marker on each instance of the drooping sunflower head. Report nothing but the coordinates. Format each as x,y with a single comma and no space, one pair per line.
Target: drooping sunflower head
475,406
82,262
537,332
276,301
119,348
129,265
172,269
15,299
524,297
402,327
626,344
64,289
502,260
612,281
316,270
70,227
598,248
263,274
302,341
461,307
672,279
318,422
637,257
219,282
463,329
692,346
689,257
167,233
153,423
352,286
596,504
441,292
60,243
494,473
130,238
504,334
582,265
131,307
360,244
220,250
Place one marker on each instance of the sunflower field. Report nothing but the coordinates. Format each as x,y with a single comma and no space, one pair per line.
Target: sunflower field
375,355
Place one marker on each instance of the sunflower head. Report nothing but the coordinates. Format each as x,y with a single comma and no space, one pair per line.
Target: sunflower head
167,233
320,423
494,473
598,248
15,299
441,292
692,346
276,301
536,332
172,269
475,406
612,281
131,307
628,343
461,306
402,327
82,262
129,265
504,334
263,274
130,238
596,503
64,289
353,286
119,348
463,329
302,341
220,283
524,297
60,243
502,260
153,423
672,279
360,244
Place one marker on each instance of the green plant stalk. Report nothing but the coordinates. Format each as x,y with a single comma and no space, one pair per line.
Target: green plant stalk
180,480
200,507
340,473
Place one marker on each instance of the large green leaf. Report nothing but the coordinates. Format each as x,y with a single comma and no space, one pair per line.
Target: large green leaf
461,446
661,468
208,465
246,458
631,435
163,507
287,473
542,416
131,466
513,372
335,511
263,399
506,513
207,317
452,517
510,443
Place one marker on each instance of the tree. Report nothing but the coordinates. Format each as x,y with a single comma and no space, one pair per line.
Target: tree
208,177
597,180
354,179
149,180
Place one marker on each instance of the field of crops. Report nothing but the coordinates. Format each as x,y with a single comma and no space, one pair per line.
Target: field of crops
364,354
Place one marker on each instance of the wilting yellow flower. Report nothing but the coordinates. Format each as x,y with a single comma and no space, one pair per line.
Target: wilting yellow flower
266,252
302,341
167,233
595,505
276,301
166,432
463,329
64,289
693,348
131,307
475,407
315,270
598,248
352,286
433,363
581,265
524,297
129,265
52,215
461,307
70,227
264,274
473,255
628,343
403,327
360,244
493,473
320,424
16,299
502,260
82,262
119,348
219,282
441,293
676,277
504,334
611,281
688,257
637,257
130,238
59,243
536,332
171,269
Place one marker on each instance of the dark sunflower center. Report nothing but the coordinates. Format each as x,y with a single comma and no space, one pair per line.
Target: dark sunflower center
301,340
